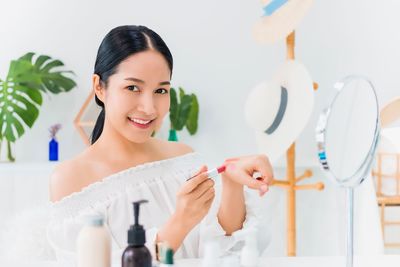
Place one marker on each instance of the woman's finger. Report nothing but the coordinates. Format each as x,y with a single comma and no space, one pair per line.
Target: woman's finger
202,188
262,165
252,183
208,195
196,180
231,160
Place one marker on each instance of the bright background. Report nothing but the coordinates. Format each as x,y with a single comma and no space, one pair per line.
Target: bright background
215,57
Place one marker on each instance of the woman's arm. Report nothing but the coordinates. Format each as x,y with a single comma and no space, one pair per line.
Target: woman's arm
239,172
173,232
232,210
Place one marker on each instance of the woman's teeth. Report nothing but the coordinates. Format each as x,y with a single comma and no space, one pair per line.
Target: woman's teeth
140,121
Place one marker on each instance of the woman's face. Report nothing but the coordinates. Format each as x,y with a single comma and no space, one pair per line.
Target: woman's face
137,96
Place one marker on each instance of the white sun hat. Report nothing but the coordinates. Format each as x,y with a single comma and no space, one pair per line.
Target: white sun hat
280,18
278,110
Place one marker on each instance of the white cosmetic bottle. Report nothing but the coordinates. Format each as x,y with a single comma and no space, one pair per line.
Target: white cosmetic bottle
212,253
94,244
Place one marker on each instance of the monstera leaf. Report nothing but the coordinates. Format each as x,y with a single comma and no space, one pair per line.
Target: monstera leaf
183,112
20,93
51,81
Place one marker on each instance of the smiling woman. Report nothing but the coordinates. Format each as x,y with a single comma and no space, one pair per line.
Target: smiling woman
125,163
143,98
142,102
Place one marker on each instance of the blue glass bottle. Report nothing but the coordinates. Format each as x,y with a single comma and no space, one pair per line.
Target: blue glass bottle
53,150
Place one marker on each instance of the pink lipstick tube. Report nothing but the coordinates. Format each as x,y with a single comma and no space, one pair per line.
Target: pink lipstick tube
213,173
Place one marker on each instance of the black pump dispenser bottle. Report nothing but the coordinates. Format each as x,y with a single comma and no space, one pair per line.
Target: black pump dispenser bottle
136,254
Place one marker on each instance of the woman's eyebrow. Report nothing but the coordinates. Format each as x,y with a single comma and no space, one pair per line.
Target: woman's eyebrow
134,80
140,81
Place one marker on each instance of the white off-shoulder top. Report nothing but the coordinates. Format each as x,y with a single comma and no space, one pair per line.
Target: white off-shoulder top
158,182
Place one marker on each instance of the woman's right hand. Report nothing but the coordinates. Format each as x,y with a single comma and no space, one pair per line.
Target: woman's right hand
194,199
193,202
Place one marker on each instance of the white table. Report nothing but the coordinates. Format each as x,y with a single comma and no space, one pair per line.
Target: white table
373,261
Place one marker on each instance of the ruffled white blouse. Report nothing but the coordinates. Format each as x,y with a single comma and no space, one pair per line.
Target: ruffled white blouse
158,182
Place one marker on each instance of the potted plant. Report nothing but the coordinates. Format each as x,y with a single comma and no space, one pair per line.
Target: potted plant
184,112
21,94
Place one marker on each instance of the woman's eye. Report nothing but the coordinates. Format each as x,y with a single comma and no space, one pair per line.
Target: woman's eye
132,88
162,91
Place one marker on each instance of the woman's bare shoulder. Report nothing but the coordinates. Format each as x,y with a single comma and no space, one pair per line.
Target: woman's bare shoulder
67,177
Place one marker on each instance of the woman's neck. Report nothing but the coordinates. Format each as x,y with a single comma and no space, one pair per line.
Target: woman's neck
112,144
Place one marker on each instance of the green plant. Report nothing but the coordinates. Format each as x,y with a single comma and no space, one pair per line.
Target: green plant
184,112
21,93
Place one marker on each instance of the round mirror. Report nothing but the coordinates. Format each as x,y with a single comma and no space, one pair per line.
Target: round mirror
348,130
347,137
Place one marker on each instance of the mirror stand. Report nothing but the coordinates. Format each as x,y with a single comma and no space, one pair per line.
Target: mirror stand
350,226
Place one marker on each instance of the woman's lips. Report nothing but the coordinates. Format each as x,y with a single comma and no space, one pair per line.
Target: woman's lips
140,125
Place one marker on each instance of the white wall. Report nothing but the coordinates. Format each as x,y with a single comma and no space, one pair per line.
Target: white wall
215,56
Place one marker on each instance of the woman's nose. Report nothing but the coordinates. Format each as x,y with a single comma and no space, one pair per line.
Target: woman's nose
146,104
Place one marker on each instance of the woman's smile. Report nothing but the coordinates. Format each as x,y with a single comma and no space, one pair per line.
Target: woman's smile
140,123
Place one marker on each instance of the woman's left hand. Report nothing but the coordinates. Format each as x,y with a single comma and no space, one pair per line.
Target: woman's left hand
240,171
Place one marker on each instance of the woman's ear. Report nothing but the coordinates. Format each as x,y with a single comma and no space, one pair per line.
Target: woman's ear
98,88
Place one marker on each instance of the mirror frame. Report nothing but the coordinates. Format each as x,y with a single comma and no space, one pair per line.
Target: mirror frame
361,173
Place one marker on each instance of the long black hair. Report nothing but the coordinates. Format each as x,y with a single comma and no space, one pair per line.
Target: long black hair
120,43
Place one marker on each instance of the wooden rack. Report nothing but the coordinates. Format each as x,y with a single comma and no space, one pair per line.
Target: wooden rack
291,184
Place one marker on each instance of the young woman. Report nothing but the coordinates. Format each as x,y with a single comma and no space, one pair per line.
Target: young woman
124,163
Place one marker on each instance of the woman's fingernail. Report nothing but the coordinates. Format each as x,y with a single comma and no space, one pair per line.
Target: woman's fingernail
230,166
264,188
